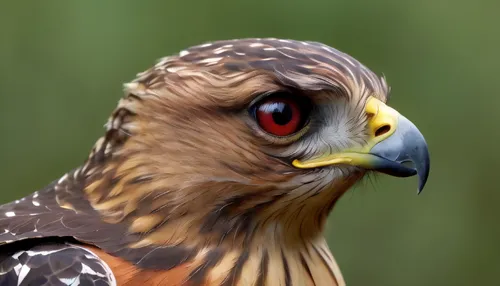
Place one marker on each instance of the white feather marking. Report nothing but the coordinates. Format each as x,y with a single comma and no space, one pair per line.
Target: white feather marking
43,253
109,273
210,60
220,50
10,214
183,53
62,179
22,274
286,55
131,86
89,256
17,254
254,45
87,270
349,61
68,281
76,282
108,149
36,203
175,69
129,127
35,195
17,268
269,49
206,45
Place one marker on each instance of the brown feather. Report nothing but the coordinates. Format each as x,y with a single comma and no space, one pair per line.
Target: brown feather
185,188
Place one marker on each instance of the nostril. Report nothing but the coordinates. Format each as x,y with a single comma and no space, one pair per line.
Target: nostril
382,130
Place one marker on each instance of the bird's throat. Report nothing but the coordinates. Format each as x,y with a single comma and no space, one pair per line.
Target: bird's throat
272,264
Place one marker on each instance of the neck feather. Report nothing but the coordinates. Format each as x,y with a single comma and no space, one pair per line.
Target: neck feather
311,264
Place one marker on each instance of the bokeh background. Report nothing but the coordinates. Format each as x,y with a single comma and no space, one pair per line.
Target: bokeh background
62,64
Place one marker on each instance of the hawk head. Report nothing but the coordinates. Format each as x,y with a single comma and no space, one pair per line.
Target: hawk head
225,160
254,139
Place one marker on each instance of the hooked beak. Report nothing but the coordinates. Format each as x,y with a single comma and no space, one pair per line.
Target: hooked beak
394,141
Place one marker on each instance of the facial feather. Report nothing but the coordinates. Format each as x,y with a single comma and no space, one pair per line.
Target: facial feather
184,131
186,177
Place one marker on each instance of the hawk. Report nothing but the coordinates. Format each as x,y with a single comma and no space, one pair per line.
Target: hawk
219,166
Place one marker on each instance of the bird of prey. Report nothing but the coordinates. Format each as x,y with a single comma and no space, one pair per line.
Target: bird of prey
219,166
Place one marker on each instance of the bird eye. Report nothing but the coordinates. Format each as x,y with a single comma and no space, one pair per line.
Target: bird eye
280,115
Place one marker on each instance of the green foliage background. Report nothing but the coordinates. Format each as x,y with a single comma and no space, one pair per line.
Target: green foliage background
62,64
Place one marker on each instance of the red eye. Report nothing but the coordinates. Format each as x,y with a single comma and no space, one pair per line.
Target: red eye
279,116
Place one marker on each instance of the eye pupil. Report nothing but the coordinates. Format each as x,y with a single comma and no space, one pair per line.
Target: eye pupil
282,114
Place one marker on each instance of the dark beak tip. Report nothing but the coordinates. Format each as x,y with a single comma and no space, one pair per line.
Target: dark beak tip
423,175
419,190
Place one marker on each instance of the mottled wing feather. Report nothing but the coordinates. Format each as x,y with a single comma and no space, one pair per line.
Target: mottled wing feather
56,210
61,211
52,264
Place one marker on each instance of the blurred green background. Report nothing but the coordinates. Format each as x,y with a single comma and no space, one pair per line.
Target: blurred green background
63,64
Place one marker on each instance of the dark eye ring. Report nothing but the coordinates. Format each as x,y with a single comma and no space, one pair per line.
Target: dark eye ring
281,114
